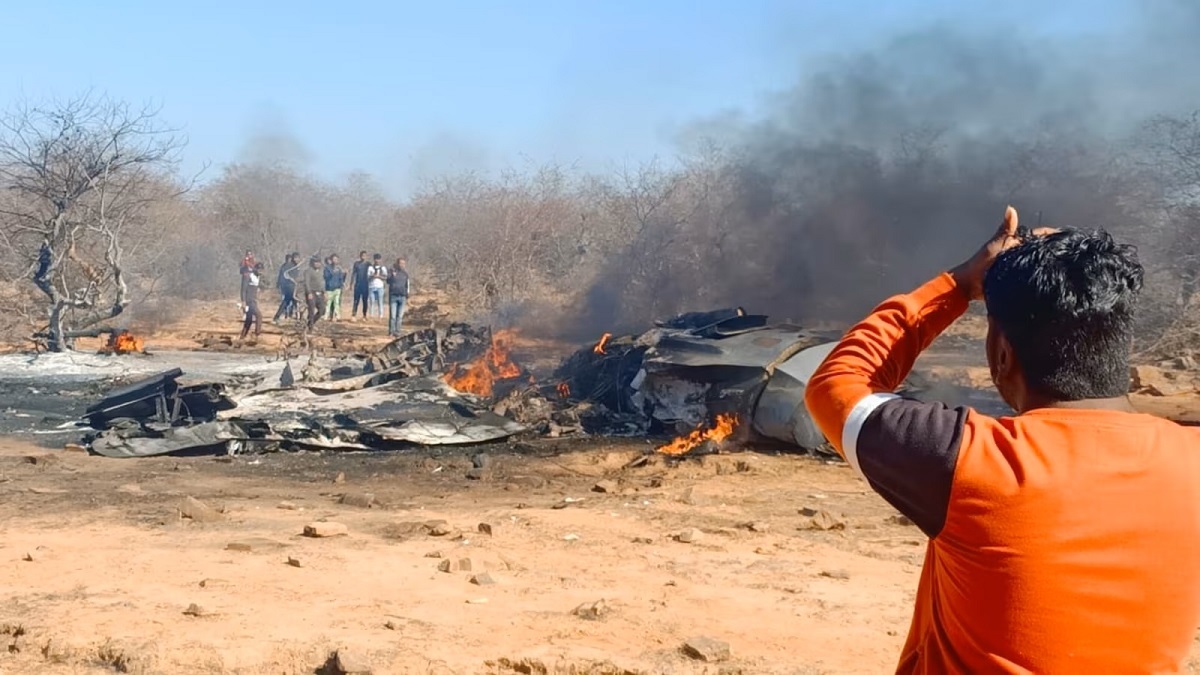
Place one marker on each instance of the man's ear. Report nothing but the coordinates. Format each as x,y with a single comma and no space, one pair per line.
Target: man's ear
999,352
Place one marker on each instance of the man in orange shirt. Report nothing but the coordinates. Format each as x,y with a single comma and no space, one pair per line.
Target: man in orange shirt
1065,539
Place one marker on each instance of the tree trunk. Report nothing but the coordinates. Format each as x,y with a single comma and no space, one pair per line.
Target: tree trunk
58,341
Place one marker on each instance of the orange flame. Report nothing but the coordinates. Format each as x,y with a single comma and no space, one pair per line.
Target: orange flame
125,342
720,430
564,389
599,348
479,376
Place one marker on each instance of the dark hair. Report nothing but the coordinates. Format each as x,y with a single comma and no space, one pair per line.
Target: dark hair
361,253
1066,304
379,256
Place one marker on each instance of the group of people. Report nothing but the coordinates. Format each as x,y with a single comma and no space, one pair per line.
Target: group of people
315,290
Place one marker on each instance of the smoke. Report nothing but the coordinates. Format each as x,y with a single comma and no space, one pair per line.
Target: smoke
880,167
271,143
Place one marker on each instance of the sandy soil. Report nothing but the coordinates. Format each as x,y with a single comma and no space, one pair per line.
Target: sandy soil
100,568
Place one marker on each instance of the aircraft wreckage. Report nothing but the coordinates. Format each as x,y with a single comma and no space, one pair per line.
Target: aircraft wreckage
704,375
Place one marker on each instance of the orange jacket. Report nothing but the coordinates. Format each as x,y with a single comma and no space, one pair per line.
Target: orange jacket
1061,540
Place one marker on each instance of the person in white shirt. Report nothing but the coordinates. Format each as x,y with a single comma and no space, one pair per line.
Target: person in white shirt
378,275
250,298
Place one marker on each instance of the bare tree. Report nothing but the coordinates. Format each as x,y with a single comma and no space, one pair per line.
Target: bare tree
77,172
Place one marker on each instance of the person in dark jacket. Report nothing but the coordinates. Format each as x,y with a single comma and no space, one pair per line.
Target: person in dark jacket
398,287
360,276
286,281
312,284
335,281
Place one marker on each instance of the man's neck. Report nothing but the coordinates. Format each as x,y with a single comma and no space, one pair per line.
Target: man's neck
1116,403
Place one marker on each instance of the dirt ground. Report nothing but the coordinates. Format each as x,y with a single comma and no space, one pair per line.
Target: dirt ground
100,569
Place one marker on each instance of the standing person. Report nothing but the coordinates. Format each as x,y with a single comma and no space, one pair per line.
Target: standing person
1065,538
245,270
335,281
253,315
361,278
398,287
312,284
287,287
377,274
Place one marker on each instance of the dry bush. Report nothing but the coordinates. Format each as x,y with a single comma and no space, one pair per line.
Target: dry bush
801,228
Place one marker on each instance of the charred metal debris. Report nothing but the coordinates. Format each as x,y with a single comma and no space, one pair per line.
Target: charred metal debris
461,386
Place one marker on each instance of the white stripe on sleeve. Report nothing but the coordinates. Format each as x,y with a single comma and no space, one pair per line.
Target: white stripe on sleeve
854,424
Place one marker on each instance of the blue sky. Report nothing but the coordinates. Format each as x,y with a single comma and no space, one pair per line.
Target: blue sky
401,89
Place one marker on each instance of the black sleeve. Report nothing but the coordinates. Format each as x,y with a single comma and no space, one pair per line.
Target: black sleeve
907,450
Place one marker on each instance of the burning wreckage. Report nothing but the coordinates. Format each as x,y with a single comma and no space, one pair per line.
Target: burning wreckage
708,378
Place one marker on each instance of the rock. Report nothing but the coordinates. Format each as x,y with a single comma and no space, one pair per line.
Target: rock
643,540
28,557
707,649
1157,382
485,528
362,500
287,506
1171,388
340,478
42,460
481,461
325,529
478,474
841,575
253,544
294,562
901,519
807,512
75,447
755,526
47,491
483,579
346,662
689,536
477,601
606,487
434,554
592,611
195,610
391,625
130,489
198,511
460,565
438,528
823,520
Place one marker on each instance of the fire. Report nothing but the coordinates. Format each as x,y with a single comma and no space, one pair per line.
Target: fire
479,376
599,348
124,342
564,389
719,431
